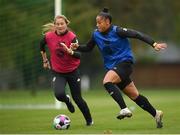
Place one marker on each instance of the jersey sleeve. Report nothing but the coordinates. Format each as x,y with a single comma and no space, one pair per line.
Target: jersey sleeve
89,45
130,33
42,44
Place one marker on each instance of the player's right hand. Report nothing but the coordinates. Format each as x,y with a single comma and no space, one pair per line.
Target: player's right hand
160,46
46,65
74,46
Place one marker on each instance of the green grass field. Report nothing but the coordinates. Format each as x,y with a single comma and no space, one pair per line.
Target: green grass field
103,109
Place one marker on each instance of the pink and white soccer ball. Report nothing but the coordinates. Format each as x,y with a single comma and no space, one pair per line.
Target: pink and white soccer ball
61,122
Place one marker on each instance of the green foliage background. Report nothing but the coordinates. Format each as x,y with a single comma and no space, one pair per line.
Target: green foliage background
21,21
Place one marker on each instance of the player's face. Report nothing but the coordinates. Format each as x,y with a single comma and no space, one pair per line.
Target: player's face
60,25
102,23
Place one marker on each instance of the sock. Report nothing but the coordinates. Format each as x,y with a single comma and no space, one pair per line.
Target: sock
115,93
145,105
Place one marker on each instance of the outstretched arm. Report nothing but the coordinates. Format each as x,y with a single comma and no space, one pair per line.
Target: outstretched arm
130,33
70,51
76,53
85,48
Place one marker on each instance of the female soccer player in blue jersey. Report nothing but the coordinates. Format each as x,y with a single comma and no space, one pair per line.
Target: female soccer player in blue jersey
114,46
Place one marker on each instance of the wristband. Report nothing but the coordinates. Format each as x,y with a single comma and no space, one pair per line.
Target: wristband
154,44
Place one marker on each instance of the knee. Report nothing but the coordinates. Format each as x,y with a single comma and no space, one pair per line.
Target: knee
105,81
60,96
133,95
131,91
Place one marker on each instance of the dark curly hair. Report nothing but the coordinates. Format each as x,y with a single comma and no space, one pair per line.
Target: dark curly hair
105,13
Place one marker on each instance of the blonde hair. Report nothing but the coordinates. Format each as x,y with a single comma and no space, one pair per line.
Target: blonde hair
50,27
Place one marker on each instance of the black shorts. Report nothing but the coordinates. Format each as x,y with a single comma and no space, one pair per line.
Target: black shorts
124,70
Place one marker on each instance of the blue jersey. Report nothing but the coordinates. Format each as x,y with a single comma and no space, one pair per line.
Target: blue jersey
114,49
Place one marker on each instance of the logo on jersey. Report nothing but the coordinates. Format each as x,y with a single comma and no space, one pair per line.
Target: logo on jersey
78,80
59,49
59,52
124,29
115,68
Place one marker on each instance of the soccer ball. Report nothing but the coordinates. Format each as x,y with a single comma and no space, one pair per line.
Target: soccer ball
61,122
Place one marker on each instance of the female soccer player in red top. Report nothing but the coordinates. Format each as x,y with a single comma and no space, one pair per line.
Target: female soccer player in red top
64,64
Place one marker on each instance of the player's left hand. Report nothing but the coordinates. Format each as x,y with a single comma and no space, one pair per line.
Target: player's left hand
160,46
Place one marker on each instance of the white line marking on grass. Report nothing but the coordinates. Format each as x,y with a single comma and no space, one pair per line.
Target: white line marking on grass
30,106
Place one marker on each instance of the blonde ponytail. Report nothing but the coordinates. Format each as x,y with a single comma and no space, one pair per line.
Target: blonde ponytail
48,27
